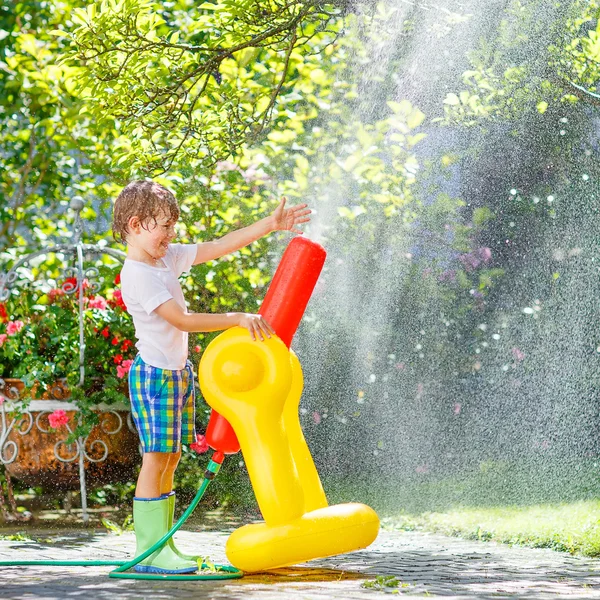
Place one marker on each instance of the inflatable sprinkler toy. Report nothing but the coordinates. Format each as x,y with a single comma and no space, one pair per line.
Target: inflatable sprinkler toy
254,389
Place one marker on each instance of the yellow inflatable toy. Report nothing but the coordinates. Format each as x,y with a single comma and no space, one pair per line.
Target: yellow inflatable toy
256,386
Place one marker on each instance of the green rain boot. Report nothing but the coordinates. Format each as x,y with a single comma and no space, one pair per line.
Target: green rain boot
150,519
171,498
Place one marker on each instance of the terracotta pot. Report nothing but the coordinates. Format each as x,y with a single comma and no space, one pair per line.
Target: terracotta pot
37,462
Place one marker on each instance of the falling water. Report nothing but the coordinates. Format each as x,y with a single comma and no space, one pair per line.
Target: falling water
419,406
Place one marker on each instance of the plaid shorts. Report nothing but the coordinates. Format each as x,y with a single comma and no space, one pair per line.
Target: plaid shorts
162,406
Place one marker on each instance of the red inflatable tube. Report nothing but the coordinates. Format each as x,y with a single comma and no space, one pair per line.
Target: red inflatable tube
283,307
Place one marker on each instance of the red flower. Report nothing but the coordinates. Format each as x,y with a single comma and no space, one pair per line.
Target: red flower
115,341
118,279
105,333
58,418
3,313
71,283
126,345
118,299
200,445
117,359
198,348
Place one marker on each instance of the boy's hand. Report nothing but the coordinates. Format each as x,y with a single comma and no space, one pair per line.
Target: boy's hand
288,219
256,325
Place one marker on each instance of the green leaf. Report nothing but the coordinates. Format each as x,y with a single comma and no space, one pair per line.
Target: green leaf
451,99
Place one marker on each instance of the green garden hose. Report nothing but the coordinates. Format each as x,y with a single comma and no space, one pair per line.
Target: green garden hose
219,571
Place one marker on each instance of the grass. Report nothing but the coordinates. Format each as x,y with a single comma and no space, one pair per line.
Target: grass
548,504
570,527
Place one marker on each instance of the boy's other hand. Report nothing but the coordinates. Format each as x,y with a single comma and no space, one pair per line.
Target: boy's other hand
256,325
288,219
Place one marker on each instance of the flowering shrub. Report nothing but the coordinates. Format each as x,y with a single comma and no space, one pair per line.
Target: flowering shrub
39,343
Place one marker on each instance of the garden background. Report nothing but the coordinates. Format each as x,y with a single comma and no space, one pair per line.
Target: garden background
450,153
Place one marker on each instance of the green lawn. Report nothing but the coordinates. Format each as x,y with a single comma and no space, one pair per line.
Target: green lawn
572,527
544,505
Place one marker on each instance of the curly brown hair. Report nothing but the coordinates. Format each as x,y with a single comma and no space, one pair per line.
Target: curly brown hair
145,200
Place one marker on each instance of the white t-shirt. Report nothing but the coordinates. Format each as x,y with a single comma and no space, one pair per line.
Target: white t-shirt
144,289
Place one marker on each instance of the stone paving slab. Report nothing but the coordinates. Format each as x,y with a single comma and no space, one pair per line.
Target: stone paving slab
428,565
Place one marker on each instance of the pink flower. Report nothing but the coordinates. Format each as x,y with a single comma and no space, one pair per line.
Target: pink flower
422,469
1,399
316,417
58,418
519,355
3,338
14,327
54,294
457,407
400,366
198,348
469,261
448,276
200,445
98,302
485,254
123,368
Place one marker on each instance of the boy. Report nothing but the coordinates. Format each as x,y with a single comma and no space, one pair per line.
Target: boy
161,380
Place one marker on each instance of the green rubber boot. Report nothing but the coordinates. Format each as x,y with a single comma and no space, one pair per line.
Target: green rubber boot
150,520
171,498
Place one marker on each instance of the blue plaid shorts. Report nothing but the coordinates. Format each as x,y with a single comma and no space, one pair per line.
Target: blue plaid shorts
162,406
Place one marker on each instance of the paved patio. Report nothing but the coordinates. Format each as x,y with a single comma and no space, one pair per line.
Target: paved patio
428,565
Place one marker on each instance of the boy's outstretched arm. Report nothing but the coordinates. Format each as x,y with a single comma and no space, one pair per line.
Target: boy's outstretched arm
171,312
281,219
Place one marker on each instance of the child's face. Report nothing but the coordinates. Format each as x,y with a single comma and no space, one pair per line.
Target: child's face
154,238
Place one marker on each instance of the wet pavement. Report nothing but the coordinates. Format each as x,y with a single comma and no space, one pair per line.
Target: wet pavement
422,565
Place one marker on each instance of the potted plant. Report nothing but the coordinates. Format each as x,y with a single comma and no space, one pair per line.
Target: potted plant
40,346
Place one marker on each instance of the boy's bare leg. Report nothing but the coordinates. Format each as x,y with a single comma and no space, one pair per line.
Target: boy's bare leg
166,485
154,466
